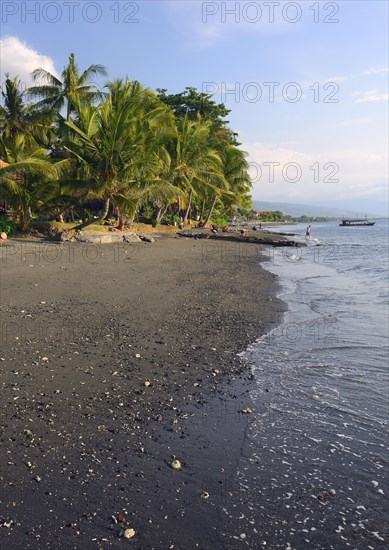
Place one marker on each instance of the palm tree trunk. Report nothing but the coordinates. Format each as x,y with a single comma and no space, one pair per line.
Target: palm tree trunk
188,206
130,219
121,223
202,210
24,222
25,216
95,220
68,110
210,210
159,214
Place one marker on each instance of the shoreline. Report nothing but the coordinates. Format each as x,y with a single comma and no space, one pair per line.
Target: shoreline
85,440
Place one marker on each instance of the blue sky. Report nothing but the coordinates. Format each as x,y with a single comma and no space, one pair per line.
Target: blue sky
324,139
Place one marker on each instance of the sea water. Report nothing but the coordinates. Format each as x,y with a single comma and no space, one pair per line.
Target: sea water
314,467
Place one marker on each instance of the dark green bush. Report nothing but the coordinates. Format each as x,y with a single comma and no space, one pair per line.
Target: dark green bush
8,226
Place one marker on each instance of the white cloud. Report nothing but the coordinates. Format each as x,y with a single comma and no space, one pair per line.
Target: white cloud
19,59
352,122
377,70
370,96
327,175
339,79
373,71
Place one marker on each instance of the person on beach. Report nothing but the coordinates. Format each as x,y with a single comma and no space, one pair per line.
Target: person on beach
308,232
181,224
214,229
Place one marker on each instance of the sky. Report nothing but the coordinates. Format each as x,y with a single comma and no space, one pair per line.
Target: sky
306,81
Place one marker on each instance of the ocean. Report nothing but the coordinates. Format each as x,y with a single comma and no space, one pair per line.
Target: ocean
314,467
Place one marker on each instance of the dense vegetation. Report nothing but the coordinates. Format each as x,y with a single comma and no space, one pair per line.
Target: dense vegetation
278,216
73,153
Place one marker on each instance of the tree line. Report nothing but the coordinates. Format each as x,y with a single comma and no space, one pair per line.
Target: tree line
70,149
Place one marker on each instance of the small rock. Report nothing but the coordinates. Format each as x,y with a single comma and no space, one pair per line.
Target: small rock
137,355
131,238
147,383
205,495
129,533
146,238
176,465
45,358
3,236
246,410
7,524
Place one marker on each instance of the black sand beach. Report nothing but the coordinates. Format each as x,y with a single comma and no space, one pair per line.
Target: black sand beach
115,360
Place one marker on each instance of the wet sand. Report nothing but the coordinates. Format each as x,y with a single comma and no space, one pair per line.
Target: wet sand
116,359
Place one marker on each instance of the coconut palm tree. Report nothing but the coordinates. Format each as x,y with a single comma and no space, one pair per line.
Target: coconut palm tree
111,149
235,172
17,118
75,87
28,180
193,165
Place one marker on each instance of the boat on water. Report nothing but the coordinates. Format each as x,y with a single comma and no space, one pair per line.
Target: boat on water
356,223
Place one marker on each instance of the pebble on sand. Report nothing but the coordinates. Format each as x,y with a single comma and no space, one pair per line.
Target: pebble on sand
129,533
176,465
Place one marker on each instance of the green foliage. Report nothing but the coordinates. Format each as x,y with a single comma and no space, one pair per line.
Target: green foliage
130,148
7,226
18,119
192,103
306,219
221,222
74,90
171,218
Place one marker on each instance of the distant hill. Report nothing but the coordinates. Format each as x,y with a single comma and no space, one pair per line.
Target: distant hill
296,210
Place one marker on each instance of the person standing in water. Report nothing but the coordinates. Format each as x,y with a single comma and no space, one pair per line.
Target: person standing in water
308,232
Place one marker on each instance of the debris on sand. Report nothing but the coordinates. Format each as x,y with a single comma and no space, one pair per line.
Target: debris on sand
129,533
176,465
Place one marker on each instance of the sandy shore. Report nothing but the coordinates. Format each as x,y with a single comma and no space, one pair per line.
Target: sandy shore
86,444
